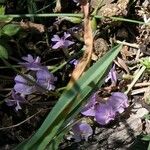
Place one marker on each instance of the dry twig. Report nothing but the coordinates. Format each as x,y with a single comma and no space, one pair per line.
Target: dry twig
88,40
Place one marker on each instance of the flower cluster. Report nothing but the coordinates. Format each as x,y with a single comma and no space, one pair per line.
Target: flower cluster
37,79
103,113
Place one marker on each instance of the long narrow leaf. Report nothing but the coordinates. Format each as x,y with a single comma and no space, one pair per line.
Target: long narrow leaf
76,109
70,98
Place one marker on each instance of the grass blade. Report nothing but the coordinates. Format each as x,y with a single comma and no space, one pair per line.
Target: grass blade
69,100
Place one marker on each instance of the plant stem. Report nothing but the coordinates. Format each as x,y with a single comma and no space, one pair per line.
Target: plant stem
43,15
72,15
137,76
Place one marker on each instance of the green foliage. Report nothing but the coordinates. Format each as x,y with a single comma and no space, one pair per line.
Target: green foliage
3,19
148,146
7,30
3,52
146,138
2,10
69,105
94,24
32,8
147,116
146,62
10,29
2,1
73,19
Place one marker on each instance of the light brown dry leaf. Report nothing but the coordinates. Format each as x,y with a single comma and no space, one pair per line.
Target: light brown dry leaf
88,40
125,52
138,91
147,95
30,25
114,8
58,6
122,64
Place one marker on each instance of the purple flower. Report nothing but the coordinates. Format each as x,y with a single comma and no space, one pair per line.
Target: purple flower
112,75
31,63
46,79
81,131
104,113
15,101
89,109
118,101
61,42
23,86
74,62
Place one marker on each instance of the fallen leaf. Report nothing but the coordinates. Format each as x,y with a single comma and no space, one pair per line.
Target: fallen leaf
125,52
123,64
88,40
58,6
30,25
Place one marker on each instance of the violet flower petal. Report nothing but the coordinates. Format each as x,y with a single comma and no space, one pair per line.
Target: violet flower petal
67,43
112,75
18,106
89,108
104,113
82,131
15,101
88,111
31,63
118,101
28,58
46,79
23,86
61,42
66,35
57,45
24,89
11,102
20,79
55,38
74,62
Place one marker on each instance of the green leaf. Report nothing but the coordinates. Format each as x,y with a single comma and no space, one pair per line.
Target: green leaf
2,1
94,24
147,116
146,138
146,62
32,8
72,19
148,146
10,29
3,52
5,19
77,108
69,103
2,10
